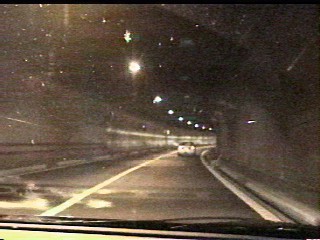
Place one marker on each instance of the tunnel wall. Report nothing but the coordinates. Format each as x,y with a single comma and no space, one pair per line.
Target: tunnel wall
283,158
280,149
123,131
32,137
262,147
279,165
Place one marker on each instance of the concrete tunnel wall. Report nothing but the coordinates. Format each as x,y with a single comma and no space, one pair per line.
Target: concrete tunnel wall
32,136
280,149
262,147
124,130
62,115
281,165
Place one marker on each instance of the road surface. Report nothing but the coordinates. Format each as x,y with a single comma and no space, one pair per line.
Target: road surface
156,186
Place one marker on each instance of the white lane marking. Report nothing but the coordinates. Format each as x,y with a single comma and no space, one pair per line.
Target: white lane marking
262,211
78,197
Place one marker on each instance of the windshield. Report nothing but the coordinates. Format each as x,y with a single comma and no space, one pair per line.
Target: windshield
96,99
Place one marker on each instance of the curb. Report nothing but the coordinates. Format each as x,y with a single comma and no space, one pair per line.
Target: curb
296,210
286,206
266,211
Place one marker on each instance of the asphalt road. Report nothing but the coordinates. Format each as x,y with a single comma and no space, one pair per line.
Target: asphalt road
157,186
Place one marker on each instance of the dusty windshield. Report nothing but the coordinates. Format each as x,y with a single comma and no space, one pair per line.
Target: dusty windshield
96,99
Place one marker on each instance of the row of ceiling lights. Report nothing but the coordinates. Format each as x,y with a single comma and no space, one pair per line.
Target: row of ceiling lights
158,99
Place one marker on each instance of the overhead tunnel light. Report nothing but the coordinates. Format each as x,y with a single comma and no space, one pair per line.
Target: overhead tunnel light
157,99
134,67
251,121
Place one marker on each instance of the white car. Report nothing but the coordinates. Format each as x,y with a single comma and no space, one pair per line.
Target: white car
186,149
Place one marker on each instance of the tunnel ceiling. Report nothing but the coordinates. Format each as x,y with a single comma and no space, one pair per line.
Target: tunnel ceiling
281,30
280,43
192,55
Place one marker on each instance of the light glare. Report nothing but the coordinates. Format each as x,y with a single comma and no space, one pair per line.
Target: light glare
127,36
134,67
157,99
251,121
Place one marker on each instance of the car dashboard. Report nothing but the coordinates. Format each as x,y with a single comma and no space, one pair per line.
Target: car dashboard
11,231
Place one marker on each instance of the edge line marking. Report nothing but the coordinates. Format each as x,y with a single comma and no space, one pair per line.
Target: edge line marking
262,211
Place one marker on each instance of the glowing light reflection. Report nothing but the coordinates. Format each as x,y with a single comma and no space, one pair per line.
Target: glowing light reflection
38,204
97,203
134,67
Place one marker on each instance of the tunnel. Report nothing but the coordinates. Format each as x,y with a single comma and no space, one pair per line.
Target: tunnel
65,97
